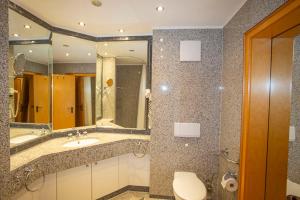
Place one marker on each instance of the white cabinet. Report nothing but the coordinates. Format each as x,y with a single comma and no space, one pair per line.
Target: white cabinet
105,177
92,181
47,192
139,170
124,166
74,184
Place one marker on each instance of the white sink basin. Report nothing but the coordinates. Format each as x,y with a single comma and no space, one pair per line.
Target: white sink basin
23,138
81,142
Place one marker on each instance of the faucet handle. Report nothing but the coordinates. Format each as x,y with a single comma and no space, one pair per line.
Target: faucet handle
84,133
70,135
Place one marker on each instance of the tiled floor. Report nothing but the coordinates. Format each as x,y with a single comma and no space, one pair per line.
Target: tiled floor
134,196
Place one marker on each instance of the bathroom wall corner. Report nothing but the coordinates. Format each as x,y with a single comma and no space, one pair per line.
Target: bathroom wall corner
4,117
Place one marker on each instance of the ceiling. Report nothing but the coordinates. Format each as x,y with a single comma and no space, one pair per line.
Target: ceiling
136,17
17,23
125,52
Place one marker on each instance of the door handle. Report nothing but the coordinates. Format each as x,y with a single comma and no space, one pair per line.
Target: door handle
71,109
37,108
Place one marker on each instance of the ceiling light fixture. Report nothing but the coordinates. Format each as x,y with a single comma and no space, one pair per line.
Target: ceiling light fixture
160,8
121,30
105,53
81,24
89,54
67,54
106,44
27,26
30,51
16,35
161,39
96,3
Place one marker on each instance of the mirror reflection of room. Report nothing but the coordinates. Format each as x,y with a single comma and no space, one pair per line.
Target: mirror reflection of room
121,84
29,82
74,76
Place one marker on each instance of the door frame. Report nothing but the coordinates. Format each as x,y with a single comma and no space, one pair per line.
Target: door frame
256,99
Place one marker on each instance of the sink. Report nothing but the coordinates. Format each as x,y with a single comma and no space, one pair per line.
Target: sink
81,142
23,138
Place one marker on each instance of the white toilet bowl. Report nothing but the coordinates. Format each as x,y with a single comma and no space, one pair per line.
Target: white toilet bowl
187,186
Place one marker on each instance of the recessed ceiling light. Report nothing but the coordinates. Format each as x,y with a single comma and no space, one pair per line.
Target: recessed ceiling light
81,24
96,3
27,26
160,8
67,54
121,30
106,44
89,54
161,39
30,51
105,53
16,35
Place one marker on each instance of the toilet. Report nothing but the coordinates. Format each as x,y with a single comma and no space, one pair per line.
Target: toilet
187,186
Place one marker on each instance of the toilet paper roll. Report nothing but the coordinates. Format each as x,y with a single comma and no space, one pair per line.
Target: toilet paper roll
229,183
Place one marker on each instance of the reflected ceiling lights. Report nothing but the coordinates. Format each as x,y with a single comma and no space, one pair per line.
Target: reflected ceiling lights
81,24
27,26
30,51
96,3
16,35
160,8
67,54
121,30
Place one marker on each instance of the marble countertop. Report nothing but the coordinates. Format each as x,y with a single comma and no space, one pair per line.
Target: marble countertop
55,146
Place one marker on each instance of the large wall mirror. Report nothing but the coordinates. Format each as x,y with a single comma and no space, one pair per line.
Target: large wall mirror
30,66
67,80
74,81
121,89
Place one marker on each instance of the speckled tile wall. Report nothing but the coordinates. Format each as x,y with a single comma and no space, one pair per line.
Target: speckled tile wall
294,147
184,92
250,14
4,121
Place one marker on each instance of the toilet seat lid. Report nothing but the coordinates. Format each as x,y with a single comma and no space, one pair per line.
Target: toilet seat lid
188,186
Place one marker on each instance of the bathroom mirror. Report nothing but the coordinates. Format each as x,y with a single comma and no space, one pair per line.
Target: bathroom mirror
30,64
74,81
121,84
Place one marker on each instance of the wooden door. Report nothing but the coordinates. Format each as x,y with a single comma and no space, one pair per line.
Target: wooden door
80,114
41,99
63,101
266,106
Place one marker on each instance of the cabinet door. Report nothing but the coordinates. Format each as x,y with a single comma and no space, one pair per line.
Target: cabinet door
105,177
74,184
139,171
47,192
124,166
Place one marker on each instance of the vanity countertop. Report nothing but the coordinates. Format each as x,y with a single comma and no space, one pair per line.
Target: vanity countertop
55,146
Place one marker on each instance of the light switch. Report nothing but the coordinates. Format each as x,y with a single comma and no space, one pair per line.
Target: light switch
292,134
